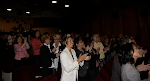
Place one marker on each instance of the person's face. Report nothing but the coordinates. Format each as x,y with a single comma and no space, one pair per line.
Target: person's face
19,40
136,53
37,34
47,41
87,35
70,43
97,38
56,40
80,44
141,51
106,41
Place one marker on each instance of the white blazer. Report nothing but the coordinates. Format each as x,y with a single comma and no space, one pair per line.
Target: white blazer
69,65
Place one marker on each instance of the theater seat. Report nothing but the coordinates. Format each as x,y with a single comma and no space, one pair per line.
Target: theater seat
108,65
49,78
105,74
98,78
36,68
58,74
25,73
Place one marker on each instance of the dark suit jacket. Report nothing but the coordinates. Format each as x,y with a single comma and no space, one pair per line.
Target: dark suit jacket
82,70
46,56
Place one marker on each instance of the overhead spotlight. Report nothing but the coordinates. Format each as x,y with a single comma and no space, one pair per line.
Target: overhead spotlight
28,12
66,5
9,9
54,1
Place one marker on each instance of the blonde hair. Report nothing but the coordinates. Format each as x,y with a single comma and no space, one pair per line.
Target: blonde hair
94,37
57,36
44,37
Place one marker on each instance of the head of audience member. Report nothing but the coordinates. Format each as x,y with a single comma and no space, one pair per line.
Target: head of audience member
87,35
90,43
124,40
46,33
4,36
129,53
132,39
143,50
69,42
106,40
96,38
37,34
19,40
79,43
56,38
46,39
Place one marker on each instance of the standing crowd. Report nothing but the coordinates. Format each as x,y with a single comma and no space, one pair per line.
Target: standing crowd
79,56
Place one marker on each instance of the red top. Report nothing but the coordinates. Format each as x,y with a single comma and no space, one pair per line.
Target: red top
20,53
36,45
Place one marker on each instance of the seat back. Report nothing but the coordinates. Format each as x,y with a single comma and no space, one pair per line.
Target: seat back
105,74
58,74
98,78
49,78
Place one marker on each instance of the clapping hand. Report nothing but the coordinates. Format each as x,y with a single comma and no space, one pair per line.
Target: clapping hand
143,67
53,50
25,39
82,57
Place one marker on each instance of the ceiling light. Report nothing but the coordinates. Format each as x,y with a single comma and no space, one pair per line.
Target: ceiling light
66,5
54,1
9,9
28,12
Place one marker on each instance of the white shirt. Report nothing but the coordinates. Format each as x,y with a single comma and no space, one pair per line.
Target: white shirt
56,60
10,40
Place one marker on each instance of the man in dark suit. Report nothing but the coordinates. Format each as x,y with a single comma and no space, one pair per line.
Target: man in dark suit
47,55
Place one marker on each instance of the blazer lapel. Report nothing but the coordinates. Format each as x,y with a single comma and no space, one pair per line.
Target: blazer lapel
74,54
68,53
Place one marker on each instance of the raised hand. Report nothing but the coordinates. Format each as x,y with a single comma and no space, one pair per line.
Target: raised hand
82,57
98,49
53,50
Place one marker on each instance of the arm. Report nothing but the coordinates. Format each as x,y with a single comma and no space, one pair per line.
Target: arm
18,48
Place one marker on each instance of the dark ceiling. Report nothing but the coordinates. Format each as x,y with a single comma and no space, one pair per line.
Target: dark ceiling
76,6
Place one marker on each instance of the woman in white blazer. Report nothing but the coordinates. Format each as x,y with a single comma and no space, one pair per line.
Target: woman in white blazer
69,62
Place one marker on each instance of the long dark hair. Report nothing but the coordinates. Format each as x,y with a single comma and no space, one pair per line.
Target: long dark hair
35,33
16,40
125,53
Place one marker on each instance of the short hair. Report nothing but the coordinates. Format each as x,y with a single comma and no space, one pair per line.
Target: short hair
124,40
57,36
43,38
125,53
89,42
94,36
45,33
78,39
66,39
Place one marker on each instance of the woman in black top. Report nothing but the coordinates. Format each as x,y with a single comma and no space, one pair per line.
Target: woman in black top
47,55
93,63
84,70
